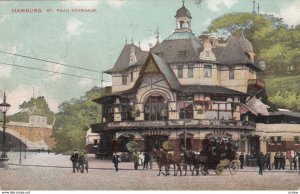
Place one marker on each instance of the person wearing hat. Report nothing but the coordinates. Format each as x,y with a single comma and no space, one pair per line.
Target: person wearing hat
261,163
74,159
242,159
116,160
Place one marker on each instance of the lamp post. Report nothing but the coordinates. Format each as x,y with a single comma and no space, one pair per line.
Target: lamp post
4,107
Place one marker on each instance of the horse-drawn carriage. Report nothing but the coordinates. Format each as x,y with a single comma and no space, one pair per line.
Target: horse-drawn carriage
218,156
219,166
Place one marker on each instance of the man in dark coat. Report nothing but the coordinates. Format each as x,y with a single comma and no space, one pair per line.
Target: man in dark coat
115,160
74,159
146,160
268,161
242,159
276,161
261,163
281,161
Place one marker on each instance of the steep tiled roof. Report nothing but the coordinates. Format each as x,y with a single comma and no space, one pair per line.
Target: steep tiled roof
167,72
123,60
179,47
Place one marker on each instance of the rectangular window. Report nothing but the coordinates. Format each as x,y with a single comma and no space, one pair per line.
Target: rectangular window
131,75
231,72
207,70
279,139
296,140
124,79
180,71
272,140
207,54
190,70
95,141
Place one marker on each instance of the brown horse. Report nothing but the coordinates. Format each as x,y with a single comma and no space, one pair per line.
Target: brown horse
173,159
161,159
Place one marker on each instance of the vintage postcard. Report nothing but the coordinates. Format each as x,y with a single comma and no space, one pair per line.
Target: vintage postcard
172,95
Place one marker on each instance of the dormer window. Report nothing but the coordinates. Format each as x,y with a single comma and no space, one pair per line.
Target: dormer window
207,54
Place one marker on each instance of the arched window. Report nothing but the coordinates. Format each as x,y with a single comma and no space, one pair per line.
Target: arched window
181,23
155,108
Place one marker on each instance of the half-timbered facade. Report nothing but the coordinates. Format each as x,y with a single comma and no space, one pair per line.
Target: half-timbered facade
184,90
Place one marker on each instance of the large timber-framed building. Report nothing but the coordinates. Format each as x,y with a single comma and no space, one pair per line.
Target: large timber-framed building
184,90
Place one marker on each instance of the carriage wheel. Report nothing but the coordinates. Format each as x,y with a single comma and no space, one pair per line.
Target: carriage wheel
233,167
204,170
219,169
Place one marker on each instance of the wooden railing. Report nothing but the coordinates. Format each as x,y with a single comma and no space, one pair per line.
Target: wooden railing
181,123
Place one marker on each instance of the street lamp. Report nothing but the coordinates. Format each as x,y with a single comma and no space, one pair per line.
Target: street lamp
4,108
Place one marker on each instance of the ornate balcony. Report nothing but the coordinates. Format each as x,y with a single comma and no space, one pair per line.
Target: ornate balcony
174,124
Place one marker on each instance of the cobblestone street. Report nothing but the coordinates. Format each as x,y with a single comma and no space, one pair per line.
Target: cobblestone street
42,171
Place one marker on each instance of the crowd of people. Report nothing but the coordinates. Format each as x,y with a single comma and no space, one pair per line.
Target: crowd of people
79,162
263,161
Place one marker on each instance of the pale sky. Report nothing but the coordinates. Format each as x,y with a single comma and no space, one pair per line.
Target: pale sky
94,40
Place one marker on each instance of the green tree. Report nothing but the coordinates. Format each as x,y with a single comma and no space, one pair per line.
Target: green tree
35,106
272,40
74,119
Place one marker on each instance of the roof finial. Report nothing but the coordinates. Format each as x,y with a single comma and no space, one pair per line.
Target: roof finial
126,41
131,40
157,34
183,2
139,44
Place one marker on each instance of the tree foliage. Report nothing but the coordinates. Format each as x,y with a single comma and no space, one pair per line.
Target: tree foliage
273,42
168,145
74,119
35,106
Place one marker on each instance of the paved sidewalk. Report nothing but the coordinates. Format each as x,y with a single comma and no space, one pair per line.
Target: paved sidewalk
44,171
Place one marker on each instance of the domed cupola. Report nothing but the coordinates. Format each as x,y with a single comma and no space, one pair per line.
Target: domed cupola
183,20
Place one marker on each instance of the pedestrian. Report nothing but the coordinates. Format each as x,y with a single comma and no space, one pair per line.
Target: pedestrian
242,159
81,160
298,161
86,164
281,161
261,163
146,160
291,162
276,161
197,165
115,160
135,160
268,161
74,159
150,160
295,160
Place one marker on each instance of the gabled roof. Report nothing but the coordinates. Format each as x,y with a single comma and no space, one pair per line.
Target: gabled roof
123,60
164,69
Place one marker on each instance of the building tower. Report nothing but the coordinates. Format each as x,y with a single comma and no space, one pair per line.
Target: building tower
183,19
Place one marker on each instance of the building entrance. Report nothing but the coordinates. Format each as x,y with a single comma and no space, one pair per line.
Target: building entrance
154,142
